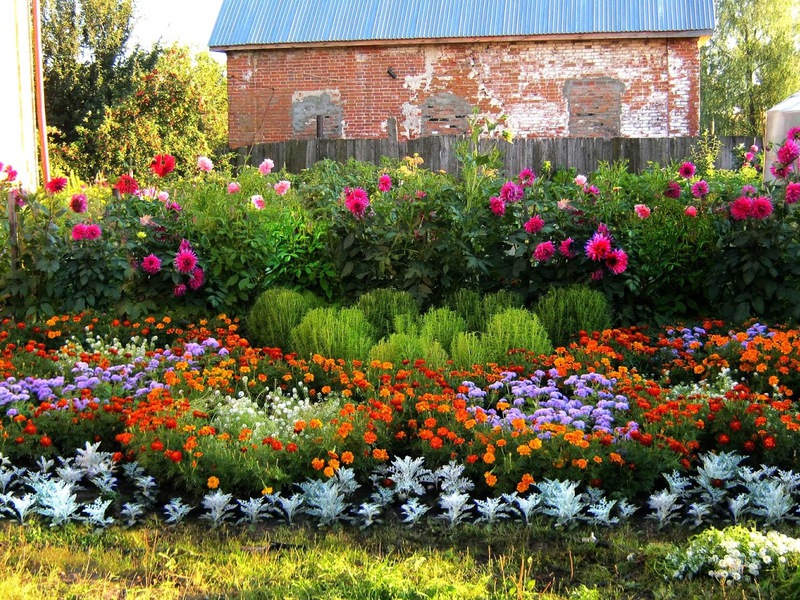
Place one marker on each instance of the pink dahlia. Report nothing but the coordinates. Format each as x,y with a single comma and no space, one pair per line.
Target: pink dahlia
580,180
93,231
258,201
534,224
700,189
204,164
78,203
781,171
642,211
762,207
591,190
185,261
544,251
793,193
180,290
356,201
384,183
793,134
282,187
56,185
527,177
79,232
266,166
598,247
151,264
690,211
687,170
197,278
234,187
497,206
741,208
127,184
617,261
673,190
789,152
511,192
565,248
163,196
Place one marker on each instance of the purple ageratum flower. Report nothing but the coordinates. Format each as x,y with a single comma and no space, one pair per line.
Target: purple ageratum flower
511,192
151,264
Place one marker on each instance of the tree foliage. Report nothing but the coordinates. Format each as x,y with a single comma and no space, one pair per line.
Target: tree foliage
749,65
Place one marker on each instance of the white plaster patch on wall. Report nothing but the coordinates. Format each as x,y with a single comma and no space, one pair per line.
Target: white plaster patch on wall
422,81
335,95
681,87
538,118
411,123
649,119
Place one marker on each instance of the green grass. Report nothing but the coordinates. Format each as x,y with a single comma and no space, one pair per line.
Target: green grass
392,562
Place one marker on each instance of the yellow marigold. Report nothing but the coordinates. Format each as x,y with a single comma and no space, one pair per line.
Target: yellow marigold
266,490
315,423
212,483
524,450
488,458
328,471
581,463
490,478
380,454
535,444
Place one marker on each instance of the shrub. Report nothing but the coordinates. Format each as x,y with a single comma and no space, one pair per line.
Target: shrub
275,313
565,311
466,350
467,304
382,306
441,325
402,346
499,301
333,332
514,328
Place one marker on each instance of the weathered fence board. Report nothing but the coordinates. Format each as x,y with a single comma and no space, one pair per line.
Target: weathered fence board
582,154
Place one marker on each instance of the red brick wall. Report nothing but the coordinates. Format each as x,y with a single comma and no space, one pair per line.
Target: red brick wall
645,88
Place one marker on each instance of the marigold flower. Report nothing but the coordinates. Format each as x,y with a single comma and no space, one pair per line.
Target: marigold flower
212,483
490,478
317,464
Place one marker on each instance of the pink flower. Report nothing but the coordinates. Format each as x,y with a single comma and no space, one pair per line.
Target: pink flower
282,187
700,189
792,134
151,264
598,275
180,290
598,247
580,180
234,187
258,201
749,156
748,190
687,170
163,196
185,245
356,201
173,206
497,206
419,194
204,164
762,207
527,177
511,192
78,203
266,166
384,183
79,232
544,251
690,211
741,208
185,260
673,190
789,152
534,224
197,279
7,173
792,193
565,248
642,211
56,185
754,149
781,171
93,231
591,190
617,261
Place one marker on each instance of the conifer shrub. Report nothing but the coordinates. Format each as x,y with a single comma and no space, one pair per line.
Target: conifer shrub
469,306
497,302
564,311
514,328
334,333
275,313
466,350
381,307
403,346
440,325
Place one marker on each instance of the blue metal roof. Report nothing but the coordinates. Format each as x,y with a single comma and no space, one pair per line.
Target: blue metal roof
266,22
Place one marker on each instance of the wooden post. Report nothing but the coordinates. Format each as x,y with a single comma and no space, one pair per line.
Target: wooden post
391,128
12,230
320,127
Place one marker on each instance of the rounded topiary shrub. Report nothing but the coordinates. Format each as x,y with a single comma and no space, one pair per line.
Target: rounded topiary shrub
466,350
334,333
497,302
402,346
469,306
382,306
441,324
565,311
275,313
514,328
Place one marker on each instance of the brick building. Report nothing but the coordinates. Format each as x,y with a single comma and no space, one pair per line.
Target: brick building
360,68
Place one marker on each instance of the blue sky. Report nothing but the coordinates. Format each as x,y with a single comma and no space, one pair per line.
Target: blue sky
188,22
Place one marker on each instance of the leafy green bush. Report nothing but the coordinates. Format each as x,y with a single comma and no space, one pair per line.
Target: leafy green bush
332,332
565,311
467,350
467,304
275,313
511,329
441,325
402,346
382,306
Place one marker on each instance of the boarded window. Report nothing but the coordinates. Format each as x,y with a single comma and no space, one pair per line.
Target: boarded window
595,106
307,106
444,114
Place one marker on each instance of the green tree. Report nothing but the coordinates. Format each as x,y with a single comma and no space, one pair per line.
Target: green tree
749,64
179,107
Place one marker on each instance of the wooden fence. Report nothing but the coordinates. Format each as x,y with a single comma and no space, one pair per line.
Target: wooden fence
582,154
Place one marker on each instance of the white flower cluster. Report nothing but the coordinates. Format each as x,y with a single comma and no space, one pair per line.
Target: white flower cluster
732,555
136,347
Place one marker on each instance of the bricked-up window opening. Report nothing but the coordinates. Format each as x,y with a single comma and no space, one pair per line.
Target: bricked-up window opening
595,107
309,107
445,114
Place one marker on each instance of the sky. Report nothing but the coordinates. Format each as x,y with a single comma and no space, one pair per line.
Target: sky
188,22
